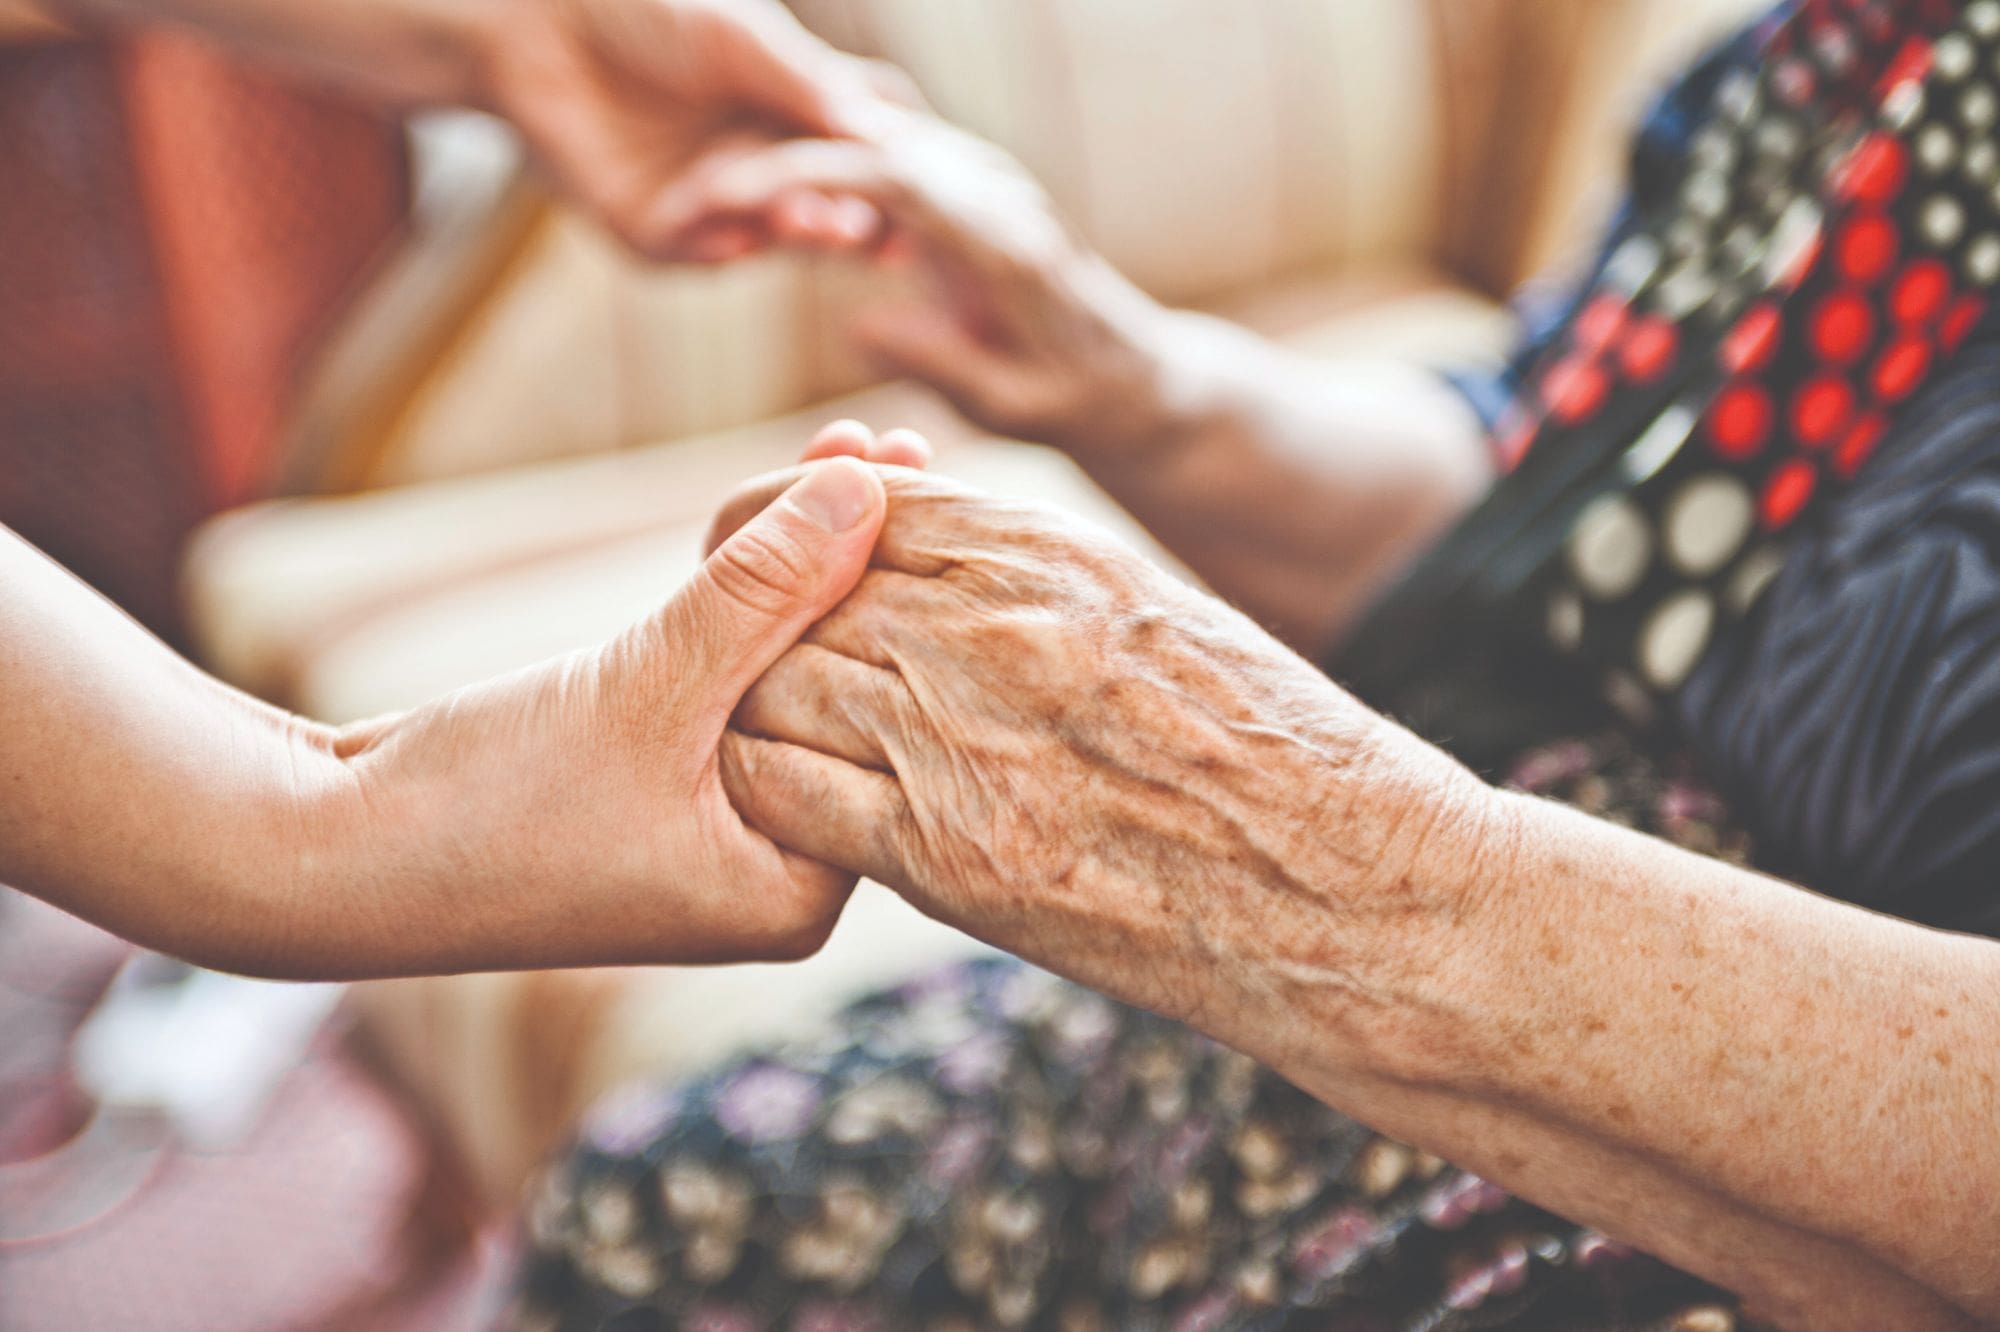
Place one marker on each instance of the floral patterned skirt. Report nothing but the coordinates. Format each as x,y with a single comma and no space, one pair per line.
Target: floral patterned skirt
992,1147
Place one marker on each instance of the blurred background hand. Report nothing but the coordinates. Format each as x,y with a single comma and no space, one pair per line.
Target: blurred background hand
1026,330
623,98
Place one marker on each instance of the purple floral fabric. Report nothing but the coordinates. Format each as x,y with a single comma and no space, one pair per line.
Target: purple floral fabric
994,1148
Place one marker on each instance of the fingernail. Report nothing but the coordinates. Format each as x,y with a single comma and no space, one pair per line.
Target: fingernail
836,495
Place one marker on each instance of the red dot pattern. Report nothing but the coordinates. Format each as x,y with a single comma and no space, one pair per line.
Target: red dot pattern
1740,422
1749,346
1901,368
1859,444
1842,327
1875,172
1920,292
1804,378
1959,321
1785,494
1867,248
1821,408
1649,348
1599,322
1575,389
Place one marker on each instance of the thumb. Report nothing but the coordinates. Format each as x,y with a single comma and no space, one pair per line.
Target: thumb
772,579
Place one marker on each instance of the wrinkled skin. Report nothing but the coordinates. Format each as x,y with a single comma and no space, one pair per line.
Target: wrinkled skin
1040,737
1037,736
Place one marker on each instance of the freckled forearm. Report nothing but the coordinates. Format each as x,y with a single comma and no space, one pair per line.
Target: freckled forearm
1836,1067
1789,1096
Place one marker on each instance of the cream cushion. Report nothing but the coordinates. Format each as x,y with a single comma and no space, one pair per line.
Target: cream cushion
346,606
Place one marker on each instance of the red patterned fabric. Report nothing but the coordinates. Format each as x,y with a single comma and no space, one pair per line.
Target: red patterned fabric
174,234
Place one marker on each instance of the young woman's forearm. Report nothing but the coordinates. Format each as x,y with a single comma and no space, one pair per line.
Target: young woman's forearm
136,791
1790,1096
568,814
1296,488
399,52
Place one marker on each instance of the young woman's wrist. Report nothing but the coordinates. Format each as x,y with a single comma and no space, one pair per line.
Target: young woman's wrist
259,863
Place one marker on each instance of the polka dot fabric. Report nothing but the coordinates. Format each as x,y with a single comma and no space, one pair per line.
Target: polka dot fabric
1832,236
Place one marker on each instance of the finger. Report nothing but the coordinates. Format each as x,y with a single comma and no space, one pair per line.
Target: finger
881,625
810,219
762,587
902,447
897,249
893,84
933,520
722,241
824,701
855,223
751,498
589,160
840,439
817,806
801,217
753,184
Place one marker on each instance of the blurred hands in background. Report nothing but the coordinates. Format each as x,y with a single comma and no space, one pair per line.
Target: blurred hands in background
1026,330
625,99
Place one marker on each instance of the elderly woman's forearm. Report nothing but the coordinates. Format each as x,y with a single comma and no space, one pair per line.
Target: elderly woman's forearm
1613,1022
1087,763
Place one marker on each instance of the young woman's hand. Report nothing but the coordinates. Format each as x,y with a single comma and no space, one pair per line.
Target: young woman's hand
574,812
623,99
619,99
569,814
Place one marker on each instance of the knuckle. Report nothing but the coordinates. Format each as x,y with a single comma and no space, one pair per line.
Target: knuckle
762,569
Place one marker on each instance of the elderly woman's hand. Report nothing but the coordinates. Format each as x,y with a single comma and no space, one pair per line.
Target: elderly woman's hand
1037,736
1042,738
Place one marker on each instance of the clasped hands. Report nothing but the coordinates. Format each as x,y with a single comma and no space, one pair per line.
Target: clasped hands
1037,735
